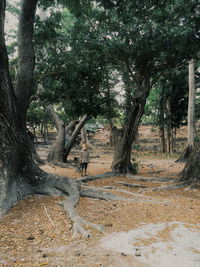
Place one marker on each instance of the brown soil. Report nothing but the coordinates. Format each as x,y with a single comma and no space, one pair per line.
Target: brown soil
37,232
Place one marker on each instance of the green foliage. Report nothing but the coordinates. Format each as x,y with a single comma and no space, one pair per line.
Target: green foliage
13,8
36,115
76,73
197,139
174,85
78,51
144,39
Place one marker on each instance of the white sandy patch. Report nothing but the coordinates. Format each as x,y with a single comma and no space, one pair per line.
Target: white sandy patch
181,248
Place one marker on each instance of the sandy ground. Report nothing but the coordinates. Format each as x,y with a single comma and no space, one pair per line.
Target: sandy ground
158,229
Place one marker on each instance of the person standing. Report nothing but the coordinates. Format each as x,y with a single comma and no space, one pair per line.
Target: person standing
84,159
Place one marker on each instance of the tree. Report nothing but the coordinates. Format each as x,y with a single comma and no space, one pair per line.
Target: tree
191,115
79,91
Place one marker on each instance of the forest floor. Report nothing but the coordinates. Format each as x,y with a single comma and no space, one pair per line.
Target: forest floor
161,229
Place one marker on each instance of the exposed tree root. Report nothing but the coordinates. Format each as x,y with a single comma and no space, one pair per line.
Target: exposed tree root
72,189
192,186
132,185
167,187
52,185
151,179
69,207
75,189
96,177
136,195
93,192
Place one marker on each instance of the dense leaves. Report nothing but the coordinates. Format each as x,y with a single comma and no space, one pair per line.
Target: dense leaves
172,86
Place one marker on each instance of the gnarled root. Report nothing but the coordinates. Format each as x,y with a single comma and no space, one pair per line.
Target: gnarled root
152,179
72,189
132,185
167,187
92,192
96,177
69,207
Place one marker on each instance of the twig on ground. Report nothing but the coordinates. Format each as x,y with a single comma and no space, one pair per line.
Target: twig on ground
49,217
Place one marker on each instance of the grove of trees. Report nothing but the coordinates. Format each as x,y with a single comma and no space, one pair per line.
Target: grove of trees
71,54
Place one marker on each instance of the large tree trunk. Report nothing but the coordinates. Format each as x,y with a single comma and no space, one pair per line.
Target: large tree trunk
15,156
191,111
25,79
125,137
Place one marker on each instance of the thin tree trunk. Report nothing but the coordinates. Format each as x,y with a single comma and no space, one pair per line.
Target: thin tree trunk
162,120
191,111
46,131
111,126
162,140
191,104
174,140
84,137
74,136
169,127
36,141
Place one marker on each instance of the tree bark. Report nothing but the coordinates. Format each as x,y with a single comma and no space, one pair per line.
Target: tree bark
78,128
25,78
162,140
191,104
191,172
84,137
124,138
15,156
56,154
191,111
169,127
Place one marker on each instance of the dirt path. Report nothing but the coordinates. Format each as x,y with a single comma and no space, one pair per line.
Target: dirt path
37,232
